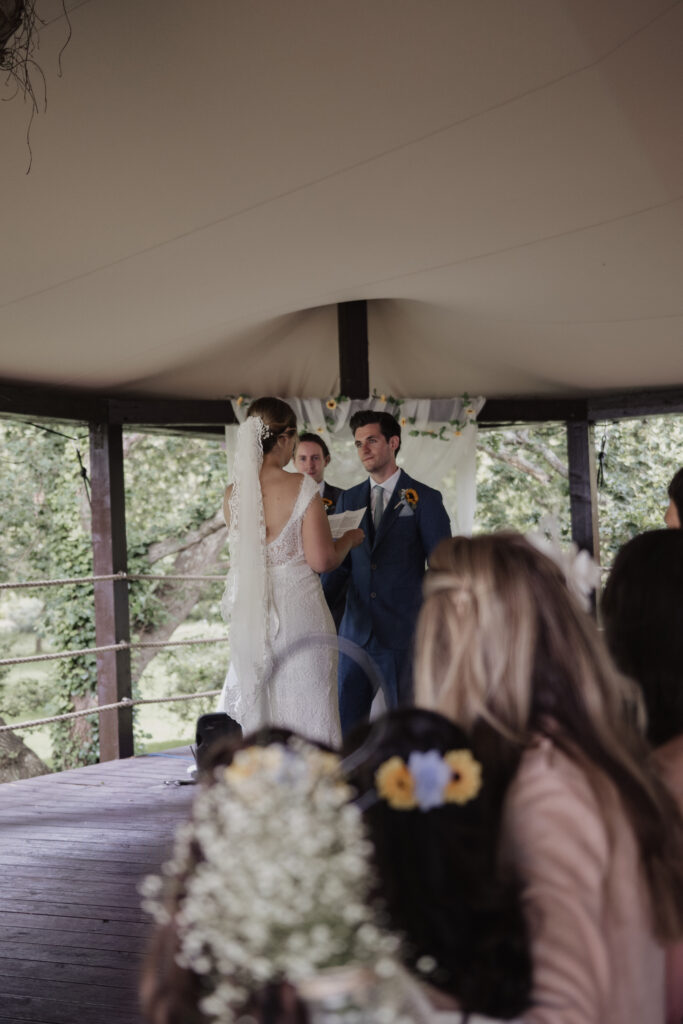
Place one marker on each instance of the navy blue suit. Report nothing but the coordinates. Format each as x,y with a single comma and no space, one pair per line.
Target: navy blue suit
384,576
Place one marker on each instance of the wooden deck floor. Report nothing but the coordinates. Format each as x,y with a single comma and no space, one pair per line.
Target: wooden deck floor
73,847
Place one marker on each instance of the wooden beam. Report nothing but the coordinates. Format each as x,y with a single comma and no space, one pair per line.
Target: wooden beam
532,410
111,597
40,401
354,367
634,404
583,498
22,400
182,412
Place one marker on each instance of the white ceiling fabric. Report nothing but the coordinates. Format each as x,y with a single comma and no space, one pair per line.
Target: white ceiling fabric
503,181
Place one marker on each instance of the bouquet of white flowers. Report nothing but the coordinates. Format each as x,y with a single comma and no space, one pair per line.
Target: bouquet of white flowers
272,878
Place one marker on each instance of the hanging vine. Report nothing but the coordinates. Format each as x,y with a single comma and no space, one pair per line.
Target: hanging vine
20,27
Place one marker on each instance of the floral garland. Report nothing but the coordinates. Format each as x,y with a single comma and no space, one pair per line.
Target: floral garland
452,428
282,884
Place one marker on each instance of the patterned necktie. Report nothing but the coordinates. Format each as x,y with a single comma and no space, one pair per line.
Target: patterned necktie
379,506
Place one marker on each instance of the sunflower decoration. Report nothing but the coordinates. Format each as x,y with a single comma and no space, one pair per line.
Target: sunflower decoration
331,403
395,784
428,780
410,495
327,502
466,777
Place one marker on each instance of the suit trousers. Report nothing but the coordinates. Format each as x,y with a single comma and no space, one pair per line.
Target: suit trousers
356,694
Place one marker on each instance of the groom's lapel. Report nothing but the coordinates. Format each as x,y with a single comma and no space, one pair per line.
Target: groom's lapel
391,512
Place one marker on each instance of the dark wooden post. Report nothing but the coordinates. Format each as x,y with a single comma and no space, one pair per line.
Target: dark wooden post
354,369
111,597
583,497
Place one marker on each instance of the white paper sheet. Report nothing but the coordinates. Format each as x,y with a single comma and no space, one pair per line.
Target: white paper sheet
343,521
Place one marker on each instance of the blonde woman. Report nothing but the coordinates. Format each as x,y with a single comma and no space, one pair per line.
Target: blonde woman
588,829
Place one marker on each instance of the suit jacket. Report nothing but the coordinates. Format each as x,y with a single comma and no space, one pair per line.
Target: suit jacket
331,494
384,573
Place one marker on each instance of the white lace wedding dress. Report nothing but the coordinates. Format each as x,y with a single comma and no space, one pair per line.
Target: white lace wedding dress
301,692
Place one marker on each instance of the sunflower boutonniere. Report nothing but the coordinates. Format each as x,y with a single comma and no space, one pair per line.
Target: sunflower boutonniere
327,502
408,496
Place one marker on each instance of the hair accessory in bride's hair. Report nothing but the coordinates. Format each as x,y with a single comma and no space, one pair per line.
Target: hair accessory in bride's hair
271,878
580,571
265,429
428,780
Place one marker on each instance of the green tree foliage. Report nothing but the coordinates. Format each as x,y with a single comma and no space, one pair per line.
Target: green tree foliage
173,485
522,476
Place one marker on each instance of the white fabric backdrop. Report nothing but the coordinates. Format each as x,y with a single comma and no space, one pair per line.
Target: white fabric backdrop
438,435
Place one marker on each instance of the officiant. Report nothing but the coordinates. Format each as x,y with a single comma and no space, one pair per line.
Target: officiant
403,521
312,458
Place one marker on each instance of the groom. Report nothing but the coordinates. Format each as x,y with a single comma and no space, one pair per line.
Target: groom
404,521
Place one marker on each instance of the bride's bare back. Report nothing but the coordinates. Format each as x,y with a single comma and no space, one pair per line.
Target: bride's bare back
279,491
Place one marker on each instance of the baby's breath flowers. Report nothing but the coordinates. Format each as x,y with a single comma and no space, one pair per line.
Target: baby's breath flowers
281,887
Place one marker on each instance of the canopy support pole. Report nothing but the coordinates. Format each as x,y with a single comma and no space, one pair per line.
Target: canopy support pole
111,596
583,495
354,370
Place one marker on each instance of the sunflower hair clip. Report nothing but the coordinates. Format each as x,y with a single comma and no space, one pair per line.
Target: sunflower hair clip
429,780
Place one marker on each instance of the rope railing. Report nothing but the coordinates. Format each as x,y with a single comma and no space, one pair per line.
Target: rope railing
125,702
122,645
131,577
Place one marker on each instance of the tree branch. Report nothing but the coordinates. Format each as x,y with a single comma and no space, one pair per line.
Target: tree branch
547,454
176,545
196,556
517,461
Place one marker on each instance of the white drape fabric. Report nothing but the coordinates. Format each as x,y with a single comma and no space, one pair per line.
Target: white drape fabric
438,436
245,600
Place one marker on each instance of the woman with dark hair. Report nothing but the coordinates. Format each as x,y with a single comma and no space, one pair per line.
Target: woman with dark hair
265,890
283,668
434,832
642,610
588,828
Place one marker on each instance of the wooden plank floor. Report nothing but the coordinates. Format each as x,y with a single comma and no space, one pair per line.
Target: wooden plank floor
73,847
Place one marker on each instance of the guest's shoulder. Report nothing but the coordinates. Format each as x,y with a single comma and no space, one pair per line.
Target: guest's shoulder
670,760
554,813
548,779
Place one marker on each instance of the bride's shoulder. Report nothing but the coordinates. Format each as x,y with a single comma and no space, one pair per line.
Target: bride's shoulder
291,483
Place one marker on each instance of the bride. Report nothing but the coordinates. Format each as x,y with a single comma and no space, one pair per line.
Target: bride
279,541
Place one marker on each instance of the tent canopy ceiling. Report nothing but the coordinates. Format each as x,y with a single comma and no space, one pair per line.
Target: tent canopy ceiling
503,182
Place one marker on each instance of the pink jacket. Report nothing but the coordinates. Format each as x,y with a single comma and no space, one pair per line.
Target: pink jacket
595,958
670,757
